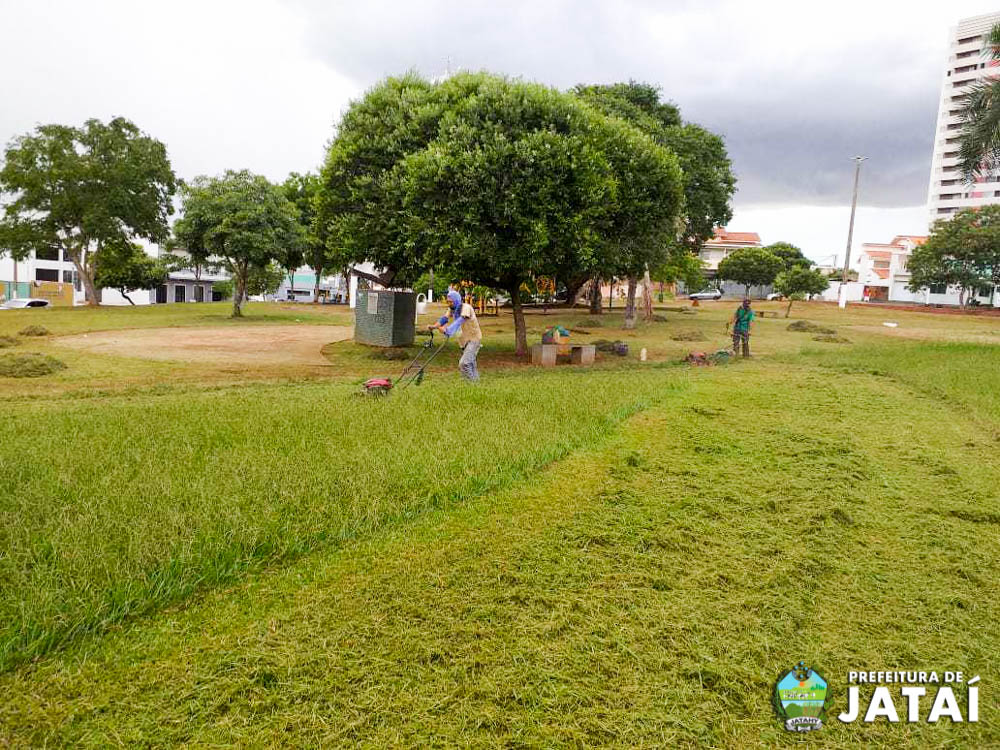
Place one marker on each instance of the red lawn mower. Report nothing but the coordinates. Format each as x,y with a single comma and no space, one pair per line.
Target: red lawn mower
412,373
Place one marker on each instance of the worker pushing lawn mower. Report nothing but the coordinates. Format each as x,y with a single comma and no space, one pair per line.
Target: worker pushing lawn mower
461,319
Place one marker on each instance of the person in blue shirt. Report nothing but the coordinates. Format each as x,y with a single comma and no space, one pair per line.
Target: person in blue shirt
461,319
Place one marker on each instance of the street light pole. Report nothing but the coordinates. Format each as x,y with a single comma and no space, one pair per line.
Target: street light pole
854,206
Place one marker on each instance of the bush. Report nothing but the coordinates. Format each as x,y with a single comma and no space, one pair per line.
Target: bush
29,365
8,341
34,331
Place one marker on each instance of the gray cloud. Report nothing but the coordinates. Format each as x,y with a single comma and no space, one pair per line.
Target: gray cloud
796,90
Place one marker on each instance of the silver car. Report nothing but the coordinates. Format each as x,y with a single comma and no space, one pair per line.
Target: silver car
21,303
707,294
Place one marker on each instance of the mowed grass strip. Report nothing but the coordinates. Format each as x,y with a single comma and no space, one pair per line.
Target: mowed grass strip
643,593
114,507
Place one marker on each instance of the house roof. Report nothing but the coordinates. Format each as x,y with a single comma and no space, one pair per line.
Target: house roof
882,273
880,254
724,237
916,239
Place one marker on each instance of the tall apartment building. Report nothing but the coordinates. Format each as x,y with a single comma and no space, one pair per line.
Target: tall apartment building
968,61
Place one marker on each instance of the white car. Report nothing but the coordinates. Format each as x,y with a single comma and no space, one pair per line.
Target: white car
21,303
707,294
775,297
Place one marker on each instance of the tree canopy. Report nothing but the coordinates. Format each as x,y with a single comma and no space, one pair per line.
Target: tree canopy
240,220
83,190
498,179
979,114
790,255
751,266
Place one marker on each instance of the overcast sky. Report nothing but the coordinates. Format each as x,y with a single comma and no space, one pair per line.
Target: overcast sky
796,88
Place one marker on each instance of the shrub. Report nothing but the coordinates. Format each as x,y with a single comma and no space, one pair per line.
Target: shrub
34,331
29,365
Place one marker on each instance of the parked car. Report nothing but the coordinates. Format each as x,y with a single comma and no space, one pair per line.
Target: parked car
21,303
775,297
707,294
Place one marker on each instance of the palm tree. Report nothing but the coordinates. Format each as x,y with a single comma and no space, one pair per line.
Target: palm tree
980,115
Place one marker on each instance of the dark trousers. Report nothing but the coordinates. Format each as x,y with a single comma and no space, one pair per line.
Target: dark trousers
743,336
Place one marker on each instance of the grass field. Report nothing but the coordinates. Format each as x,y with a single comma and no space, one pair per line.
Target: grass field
623,556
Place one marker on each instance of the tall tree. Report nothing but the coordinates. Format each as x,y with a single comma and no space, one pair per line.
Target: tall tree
501,180
80,190
750,266
242,221
979,113
708,180
128,269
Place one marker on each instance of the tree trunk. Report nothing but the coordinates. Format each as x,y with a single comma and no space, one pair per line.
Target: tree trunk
788,310
596,306
86,278
961,297
127,297
240,291
647,297
316,290
630,302
520,334
572,290
747,286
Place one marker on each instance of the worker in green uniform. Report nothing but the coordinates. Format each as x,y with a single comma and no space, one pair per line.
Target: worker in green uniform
742,323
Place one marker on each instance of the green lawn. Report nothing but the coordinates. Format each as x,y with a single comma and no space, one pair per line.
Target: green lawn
627,556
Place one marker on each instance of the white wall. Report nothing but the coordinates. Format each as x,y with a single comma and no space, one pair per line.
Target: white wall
114,298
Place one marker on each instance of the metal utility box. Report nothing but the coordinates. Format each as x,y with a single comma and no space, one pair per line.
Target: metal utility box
385,318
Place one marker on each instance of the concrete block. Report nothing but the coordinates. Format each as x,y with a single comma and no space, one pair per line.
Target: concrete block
544,354
583,355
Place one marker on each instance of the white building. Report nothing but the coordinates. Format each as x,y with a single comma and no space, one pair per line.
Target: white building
883,276
48,275
722,244
968,61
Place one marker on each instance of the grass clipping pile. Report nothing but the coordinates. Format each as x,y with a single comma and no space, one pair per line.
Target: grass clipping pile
31,365
6,342
823,333
34,331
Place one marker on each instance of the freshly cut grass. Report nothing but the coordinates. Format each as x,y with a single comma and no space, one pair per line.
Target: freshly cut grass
29,365
806,326
831,338
154,498
6,342
689,336
644,592
34,330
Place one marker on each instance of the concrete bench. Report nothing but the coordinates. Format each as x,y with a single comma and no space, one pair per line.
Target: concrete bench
544,354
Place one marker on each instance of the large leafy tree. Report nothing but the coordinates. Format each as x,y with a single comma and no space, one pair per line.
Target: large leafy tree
239,220
963,251
128,269
751,266
979,147
708,180
500,180
790,255
84,191
797,281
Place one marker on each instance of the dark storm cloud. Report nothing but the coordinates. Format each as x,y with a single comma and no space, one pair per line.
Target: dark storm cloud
796,91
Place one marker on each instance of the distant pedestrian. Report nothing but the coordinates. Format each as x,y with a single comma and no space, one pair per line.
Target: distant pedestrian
742,323
470,338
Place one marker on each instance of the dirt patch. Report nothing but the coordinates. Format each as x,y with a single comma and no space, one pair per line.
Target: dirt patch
277,344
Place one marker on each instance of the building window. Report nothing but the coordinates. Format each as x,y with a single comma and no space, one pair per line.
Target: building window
946,183
46,274
67,277
179,293
938,288
970,39
881,264
199,293
949,196
49,253
946,210
984,291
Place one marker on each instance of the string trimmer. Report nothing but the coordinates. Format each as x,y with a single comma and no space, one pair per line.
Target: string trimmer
412,373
